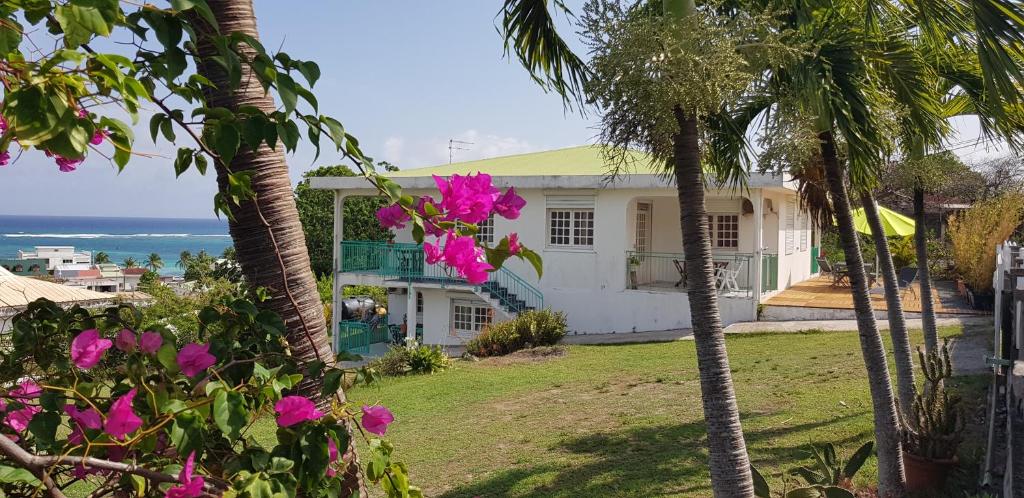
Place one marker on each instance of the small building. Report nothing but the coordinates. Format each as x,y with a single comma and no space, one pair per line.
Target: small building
35,267
612,248
99,278
132,276
56,255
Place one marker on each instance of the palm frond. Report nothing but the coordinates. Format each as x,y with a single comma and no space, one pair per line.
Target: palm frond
528,29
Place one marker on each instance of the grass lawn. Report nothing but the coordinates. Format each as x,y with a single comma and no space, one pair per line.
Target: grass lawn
624,420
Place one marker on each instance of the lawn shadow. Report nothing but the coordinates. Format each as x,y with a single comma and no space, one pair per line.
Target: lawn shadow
665,460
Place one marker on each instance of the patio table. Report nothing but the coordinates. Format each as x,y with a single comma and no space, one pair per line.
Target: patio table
843,273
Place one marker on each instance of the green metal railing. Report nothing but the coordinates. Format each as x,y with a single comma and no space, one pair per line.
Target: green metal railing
769,272
406,262
355,336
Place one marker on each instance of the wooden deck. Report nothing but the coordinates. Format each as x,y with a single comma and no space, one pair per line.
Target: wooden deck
820,293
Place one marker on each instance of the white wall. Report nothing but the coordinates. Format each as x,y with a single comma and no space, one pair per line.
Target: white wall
794,267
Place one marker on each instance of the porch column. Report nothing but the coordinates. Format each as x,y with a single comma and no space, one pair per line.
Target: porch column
339,289
758,202
410,314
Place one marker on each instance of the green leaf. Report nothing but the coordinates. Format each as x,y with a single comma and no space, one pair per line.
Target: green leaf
534,259
182,162
857,460
804,493
761,489
33,116
201,163
310,71
332,381
837,492
168,357
10,36
227,142
81,22
259,488
230,413
252,131
11,475
289,95
44,427
335,130
279,465
187,432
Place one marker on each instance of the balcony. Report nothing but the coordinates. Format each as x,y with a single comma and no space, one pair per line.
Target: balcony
734,272
403,262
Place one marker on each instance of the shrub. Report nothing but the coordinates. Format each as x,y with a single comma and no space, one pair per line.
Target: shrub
902,251
427,359
975,233
529,329
414,359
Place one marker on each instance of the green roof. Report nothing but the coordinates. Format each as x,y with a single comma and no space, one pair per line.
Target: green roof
585,160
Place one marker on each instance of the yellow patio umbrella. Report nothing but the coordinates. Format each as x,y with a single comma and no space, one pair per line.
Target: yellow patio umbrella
892,222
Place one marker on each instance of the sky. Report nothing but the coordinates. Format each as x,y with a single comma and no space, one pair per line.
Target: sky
404,77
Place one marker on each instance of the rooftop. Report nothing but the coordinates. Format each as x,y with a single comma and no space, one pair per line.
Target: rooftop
584,160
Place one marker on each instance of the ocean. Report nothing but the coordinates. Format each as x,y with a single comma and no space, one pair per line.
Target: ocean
118,237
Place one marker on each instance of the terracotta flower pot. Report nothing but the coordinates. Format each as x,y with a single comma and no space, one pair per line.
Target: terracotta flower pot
924,473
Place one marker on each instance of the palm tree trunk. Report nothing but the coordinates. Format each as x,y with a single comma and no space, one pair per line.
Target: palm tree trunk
902,351
729,463
266,231
931,336
891,480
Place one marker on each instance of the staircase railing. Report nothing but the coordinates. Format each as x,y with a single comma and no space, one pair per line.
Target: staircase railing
405,261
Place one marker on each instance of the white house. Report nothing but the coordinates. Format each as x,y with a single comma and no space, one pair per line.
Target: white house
612,248
57,255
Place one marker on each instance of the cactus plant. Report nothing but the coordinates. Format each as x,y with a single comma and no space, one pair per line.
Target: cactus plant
934,425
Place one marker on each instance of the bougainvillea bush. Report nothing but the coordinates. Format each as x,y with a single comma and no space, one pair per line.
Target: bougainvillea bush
103,398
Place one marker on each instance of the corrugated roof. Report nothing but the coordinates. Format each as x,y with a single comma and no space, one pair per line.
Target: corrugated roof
17,292
584,160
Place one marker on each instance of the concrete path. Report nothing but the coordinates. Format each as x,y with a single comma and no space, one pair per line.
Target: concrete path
754,327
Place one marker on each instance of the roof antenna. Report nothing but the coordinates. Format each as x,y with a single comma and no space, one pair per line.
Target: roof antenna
453,145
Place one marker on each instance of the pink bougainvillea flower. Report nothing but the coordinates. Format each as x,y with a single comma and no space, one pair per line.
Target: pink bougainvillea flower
476,272
467,198
3,124
513,244
509,204
19,419
122,420
5,158
87,349
86,417
332,452
98,137
67,165
191,486
82,113
293,410
393,216
433,252
430,222
150,342
376,419
462,254
195,358
125,341
76,436
25,391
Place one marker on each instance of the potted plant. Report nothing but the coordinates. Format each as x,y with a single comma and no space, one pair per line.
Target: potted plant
633,261
933,427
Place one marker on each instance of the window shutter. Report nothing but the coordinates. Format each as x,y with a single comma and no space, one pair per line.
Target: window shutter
570,202
790,224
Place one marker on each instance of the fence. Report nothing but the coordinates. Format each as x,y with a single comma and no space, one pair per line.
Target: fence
662,270
1006,391
356,337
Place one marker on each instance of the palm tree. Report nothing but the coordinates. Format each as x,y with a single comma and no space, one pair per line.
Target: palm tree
101,258
902,352
130,262
154,262
183,259
661,107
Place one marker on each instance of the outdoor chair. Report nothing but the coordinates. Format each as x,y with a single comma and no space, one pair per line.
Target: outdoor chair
681,268
830,270
727,277
905,279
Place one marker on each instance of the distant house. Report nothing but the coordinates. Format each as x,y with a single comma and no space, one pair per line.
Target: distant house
99,278
16,292
612,248
56,255
35,267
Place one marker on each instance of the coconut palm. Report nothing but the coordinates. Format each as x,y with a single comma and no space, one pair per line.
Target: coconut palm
154,262
101,258
183,259
130,262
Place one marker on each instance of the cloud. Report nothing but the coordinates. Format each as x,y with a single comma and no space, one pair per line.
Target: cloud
467,145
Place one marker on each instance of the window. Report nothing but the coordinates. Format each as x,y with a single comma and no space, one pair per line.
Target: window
790,225
470,316
805,230
724,230
571,227
485,230
419,303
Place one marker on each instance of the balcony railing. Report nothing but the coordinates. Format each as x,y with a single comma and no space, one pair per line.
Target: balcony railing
406,262
665,271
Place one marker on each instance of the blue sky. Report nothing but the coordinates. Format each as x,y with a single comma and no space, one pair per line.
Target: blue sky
404,77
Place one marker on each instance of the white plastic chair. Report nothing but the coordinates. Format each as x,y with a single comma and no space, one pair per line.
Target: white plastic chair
727,277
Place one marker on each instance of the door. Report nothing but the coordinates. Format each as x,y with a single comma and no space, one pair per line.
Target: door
642,242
